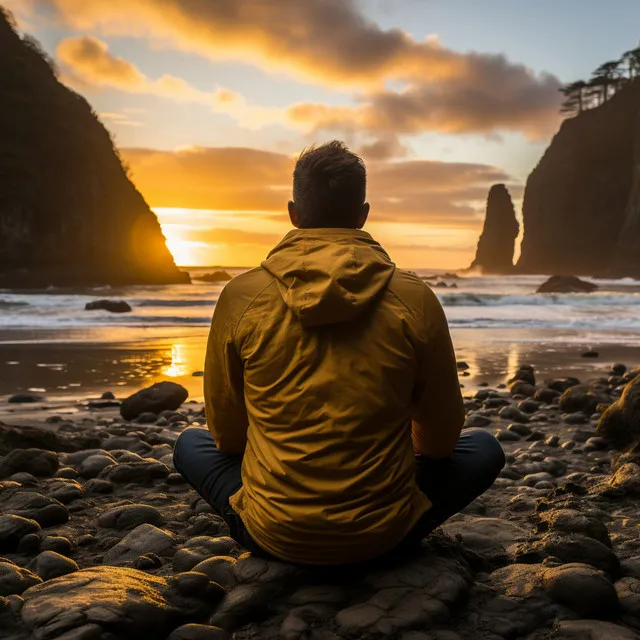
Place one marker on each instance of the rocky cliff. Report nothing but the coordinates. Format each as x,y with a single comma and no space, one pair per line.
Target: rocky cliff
626,258
69,215
497,242
578,199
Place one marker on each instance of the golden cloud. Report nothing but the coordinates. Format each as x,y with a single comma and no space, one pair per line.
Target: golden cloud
332,42
91,59
228,235
448,194
87,62
324,40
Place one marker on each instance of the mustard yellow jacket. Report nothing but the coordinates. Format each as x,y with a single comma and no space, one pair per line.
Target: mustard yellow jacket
317,361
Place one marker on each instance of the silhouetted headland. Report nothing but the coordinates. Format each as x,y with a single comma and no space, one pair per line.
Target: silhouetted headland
69,214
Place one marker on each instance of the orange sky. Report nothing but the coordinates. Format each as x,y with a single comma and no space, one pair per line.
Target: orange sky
251,189
210,103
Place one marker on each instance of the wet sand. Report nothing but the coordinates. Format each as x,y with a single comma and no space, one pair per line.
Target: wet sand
81,367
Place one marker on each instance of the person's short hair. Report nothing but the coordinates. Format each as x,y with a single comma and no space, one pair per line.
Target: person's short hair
329,186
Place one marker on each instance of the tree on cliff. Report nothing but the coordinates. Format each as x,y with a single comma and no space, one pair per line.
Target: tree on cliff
575,97
605,82
632,59
606,76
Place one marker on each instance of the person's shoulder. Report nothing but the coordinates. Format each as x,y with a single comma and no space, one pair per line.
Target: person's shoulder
249,281
412,289
243,289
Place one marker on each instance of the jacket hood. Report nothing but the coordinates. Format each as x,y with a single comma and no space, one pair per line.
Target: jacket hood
329,275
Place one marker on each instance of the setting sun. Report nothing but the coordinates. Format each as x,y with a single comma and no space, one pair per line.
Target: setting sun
185,253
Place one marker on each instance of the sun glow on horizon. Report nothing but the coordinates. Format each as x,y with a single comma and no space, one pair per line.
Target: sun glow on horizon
205,237
184,252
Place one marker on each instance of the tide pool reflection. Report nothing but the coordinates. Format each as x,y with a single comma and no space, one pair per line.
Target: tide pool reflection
84,370
179,364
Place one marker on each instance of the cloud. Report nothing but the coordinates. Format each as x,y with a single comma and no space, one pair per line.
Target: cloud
333,42
243,179
225,178
91,59
87,62
125,117
383,148
323,40
498,96
225,235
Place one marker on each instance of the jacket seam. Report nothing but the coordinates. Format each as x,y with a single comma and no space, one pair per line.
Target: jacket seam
237,324
411,312
305,295
355,268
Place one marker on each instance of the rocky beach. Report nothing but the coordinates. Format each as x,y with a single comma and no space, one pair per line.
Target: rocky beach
101,539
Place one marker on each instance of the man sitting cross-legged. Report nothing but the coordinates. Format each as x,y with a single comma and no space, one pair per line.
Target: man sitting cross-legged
331,391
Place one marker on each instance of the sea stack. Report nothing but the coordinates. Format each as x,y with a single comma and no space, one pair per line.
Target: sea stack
69,214
497,242
584,192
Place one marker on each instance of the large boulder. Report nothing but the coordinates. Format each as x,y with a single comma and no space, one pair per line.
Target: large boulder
34,438
130,516
579,587
14,579
142,472
144,539
620,423
156,398
50,564
581,398
37,462
116,602
200,548
566,284
13,528
31,505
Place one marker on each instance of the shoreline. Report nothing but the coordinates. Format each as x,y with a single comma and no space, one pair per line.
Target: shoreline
76,371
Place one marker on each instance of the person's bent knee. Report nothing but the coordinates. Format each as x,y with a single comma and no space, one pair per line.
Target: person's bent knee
185,444
490,449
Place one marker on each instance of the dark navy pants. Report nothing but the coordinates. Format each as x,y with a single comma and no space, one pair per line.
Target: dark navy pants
450,483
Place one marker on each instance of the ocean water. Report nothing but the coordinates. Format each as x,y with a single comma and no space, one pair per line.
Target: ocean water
474,302
50,345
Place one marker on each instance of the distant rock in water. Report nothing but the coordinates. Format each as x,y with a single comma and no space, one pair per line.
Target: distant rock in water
497,242
581,206
215,276
18,398
566,284
69,214
115,306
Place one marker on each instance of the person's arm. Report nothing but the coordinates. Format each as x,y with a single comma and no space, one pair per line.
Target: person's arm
438,412
223,383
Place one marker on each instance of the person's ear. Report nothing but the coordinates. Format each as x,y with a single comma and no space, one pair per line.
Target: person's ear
364,213
293,214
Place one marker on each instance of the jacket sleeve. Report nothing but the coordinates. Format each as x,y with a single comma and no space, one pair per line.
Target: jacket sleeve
223,382
438,410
